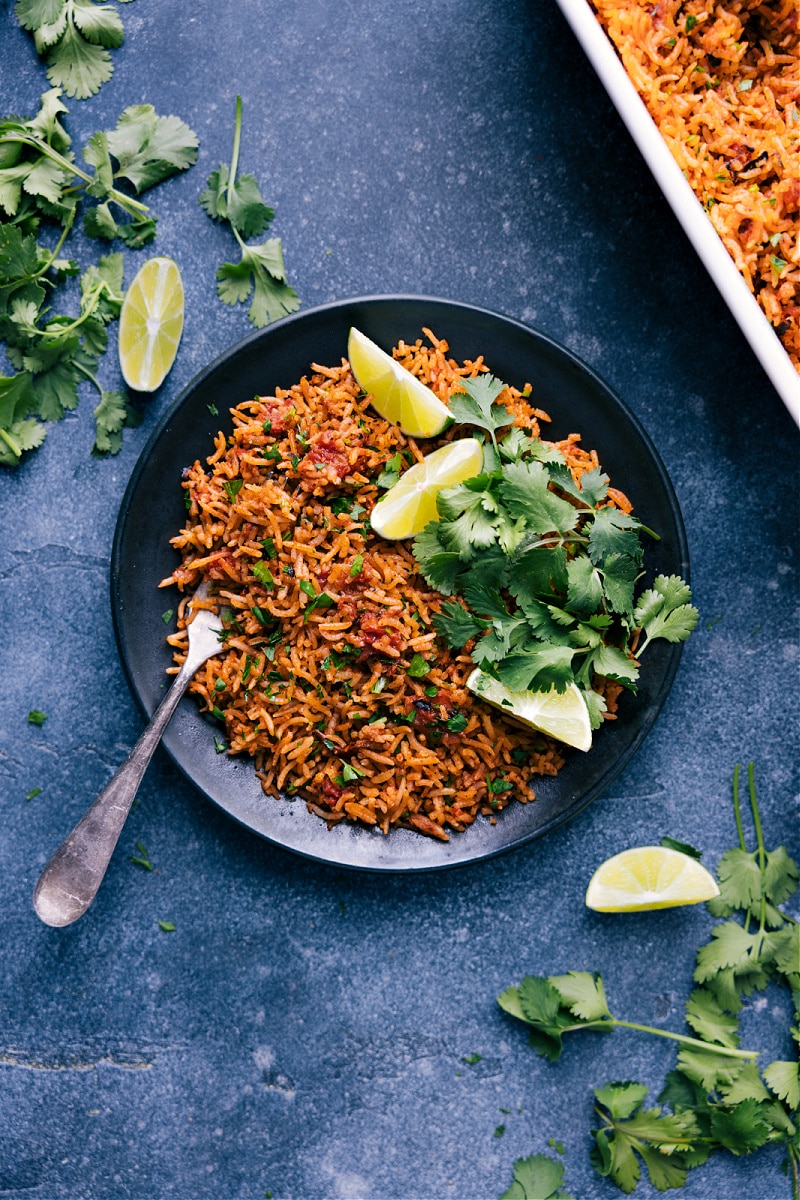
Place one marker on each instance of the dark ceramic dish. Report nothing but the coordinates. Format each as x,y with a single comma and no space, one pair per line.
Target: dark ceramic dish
153,511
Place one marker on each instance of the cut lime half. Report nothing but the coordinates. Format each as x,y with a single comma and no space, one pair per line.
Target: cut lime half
394,392
150,324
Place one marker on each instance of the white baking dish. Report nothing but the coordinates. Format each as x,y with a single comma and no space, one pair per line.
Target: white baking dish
677,191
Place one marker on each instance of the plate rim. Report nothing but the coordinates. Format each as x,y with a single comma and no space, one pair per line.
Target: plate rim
274,329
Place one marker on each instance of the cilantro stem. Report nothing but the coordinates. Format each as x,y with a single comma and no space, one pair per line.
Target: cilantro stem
684,1039
134,207
793,1167
751,783
13,445
737,808
237,138
85,371
93,301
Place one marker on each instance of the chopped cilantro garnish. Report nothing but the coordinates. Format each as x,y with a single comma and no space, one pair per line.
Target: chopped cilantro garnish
418,668
36,717
263,574
232,488
391,471
351,774
357,566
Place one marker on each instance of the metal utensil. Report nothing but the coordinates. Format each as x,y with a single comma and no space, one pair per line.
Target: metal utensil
69,882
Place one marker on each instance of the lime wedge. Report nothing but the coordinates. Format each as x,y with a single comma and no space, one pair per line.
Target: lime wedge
410,504
395,393
562,715
649,877
150,324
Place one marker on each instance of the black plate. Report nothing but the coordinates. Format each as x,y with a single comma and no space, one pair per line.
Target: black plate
153,511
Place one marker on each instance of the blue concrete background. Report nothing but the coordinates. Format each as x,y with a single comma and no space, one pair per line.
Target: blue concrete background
303,1031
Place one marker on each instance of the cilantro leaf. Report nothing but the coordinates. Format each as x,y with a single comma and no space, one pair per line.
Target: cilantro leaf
537,668
707,1019
783,1079
661,1140
438,566
537,1177
475,404
583,993
584,586
74,38
741,1128
664,611
259,272
614,532
621,1099
239,202
456,625
110,417
525,492
150,148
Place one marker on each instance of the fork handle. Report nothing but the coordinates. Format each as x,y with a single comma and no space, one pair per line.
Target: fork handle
69,882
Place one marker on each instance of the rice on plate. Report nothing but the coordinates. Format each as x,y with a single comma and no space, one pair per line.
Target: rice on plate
331,674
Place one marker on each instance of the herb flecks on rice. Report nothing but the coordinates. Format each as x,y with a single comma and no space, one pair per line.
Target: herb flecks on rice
331,675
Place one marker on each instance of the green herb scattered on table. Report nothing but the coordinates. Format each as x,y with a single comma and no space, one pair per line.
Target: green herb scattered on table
715,1098
74,38
43,187
167,926
545,569
142,858
260,270
538,1177
36,717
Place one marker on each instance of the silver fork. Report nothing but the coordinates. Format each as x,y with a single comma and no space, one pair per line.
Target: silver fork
69,882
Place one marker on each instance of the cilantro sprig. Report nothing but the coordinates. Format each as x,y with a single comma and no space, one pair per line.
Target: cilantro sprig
41,186
260,271
716,1098
74,38
542,569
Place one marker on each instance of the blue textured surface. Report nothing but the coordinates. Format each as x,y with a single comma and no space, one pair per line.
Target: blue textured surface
303,1030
